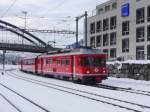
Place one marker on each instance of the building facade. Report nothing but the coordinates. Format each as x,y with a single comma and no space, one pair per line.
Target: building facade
121,28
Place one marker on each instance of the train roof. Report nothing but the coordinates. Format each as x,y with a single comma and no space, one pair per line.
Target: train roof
79,51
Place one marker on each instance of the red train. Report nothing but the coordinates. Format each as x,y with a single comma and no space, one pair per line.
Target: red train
82,65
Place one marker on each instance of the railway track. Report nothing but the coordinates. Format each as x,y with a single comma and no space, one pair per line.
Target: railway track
12,104
88,95
129,90
23,97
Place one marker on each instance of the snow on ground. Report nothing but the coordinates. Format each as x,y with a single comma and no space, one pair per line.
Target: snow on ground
128,83
19,102
57,101
53,100
5,106
10,67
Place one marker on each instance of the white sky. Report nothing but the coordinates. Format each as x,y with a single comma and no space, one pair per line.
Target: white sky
47,14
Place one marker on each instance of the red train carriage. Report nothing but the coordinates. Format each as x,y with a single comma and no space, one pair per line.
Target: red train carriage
39,65
28,65
85,65
56,65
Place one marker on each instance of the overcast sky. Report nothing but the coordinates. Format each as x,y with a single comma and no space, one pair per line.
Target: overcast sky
46,14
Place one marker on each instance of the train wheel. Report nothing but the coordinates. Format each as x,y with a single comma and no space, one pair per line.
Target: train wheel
42,74
65,78
78,81
88,81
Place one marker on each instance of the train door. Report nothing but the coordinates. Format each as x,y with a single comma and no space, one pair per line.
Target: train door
36,65
21,64
74,66
39,65
42,63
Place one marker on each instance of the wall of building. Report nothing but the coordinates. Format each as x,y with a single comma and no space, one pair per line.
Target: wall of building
134,45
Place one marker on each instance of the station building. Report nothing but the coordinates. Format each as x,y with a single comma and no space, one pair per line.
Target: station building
121,28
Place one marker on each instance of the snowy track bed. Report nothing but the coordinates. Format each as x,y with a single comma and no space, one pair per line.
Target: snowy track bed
96,89
128,83
19,102
129,90
53,100
5,102
120,102
87,95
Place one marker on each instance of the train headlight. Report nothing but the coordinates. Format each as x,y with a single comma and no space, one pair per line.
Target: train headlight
87,71
104,71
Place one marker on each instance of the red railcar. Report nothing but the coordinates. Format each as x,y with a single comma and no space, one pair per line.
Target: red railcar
28,65
85,65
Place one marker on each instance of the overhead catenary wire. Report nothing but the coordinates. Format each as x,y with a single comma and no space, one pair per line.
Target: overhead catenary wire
7,10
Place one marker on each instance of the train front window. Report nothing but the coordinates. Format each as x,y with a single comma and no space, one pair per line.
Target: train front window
92,61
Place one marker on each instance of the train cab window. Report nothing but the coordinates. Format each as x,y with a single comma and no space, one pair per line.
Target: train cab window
99,62
30,62
92,61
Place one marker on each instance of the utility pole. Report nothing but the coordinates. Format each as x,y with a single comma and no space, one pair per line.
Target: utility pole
4,52
77,20
86,28
76,32
54,37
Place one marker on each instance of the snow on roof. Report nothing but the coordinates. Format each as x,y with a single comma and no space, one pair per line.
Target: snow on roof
137,61
113,62
130,62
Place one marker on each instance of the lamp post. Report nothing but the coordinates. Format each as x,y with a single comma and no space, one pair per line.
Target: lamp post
25,22
86,28
4,52
25,18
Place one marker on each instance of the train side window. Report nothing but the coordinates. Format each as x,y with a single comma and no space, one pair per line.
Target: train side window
58,61
49,61
27,62
83,61
80,62
67,62
62,62
30,62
